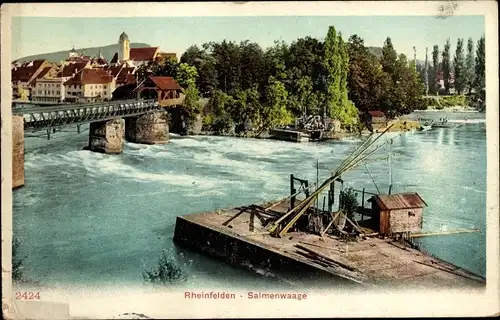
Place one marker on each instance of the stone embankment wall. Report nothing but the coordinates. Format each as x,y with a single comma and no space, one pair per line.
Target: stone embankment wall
231,249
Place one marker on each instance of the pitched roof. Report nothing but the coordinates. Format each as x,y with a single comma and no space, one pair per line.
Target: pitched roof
165,83
113,70
124,91
26,70
43,73
376,113
127,78
71,69
115,58
143,54
399,201
99,60
90,76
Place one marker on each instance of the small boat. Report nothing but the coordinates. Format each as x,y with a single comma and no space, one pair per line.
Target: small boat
444,124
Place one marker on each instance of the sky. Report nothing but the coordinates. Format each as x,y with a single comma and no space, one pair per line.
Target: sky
36,35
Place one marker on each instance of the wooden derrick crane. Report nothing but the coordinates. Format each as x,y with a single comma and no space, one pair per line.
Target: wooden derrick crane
281,226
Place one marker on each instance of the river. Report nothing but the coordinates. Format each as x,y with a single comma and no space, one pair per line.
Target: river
90,218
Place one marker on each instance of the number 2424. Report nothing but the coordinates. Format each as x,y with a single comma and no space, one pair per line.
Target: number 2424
28,295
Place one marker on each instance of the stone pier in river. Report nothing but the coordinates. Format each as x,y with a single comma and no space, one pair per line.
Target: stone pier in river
149,128
107,136
17,151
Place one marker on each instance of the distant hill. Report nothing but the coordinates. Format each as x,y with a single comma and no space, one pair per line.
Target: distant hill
377,51
106,51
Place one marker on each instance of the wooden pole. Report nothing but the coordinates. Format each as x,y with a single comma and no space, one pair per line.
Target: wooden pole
317,181
363,205
428,234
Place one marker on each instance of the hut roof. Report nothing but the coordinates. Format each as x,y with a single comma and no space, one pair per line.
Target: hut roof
376,113
399,201
165,83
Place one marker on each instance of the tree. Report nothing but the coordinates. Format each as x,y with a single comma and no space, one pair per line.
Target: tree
365,76
435,68
205,65
389,58
219,118
276,57
304,59
469,65
480,81
446,65
459,67
227,64
349,202
275,112
336,62
426,73
253,63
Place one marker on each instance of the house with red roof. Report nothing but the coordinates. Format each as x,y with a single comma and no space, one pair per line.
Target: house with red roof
50,87
90,85
165,89
23,76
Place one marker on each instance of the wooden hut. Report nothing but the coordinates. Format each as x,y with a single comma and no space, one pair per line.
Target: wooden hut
375,119
398,213
165,89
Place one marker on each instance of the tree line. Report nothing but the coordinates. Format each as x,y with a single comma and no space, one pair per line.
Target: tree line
467,65
251,88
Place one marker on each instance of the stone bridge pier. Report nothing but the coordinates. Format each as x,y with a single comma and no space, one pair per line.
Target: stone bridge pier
108,136
149,128
17,151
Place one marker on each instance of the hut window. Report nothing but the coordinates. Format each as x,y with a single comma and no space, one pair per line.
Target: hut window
411,214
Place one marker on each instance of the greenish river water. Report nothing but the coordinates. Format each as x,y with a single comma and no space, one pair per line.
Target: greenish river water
89,218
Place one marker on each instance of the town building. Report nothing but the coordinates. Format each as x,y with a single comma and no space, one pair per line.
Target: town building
23,75
50,87
90,85
122,74
138,56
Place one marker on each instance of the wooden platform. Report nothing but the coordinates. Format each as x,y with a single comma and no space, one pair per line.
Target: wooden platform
370,262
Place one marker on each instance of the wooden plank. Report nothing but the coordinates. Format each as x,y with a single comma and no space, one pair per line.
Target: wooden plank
348,267
449,271
320,246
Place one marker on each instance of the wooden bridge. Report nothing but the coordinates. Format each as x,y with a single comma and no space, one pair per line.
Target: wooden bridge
38,117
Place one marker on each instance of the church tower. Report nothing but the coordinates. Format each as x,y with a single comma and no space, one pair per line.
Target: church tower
124,47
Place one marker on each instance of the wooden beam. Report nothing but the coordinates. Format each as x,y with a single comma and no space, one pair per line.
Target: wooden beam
442,233
330,223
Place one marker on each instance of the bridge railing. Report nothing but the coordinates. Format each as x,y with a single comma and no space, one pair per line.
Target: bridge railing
45,118
48,108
